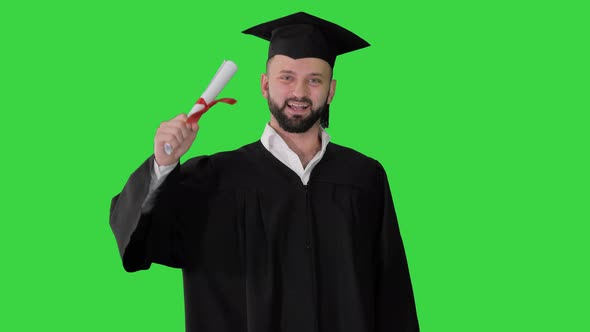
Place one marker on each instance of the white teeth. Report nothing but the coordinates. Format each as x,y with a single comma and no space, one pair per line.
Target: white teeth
298,106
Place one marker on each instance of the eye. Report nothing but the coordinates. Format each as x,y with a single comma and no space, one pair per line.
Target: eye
286,78
315,81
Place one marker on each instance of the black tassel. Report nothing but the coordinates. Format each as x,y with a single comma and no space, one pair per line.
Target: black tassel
324,118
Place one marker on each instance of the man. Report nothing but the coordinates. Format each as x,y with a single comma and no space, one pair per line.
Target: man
289,233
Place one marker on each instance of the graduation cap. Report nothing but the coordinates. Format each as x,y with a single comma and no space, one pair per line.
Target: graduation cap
301,35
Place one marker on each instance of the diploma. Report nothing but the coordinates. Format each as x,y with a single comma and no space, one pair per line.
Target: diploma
225,72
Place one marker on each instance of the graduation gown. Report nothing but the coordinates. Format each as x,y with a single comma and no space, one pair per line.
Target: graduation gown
261,252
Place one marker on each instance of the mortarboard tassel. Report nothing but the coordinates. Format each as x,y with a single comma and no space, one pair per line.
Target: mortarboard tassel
324,118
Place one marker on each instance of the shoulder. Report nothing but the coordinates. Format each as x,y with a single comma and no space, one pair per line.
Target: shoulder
240,157
225,157
347,166
350,158
229,166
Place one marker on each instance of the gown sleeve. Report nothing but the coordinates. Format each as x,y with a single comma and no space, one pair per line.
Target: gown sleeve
157,235
396,309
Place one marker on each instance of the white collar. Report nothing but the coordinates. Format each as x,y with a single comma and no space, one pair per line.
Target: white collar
275,144
271,139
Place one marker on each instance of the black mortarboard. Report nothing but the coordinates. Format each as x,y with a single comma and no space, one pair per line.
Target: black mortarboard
301,35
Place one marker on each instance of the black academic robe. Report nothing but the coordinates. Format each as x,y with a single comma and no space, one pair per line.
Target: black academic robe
261,252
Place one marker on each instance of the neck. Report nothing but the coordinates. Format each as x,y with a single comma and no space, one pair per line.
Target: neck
306,145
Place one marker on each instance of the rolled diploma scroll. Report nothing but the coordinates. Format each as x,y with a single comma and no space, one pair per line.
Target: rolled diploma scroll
225,72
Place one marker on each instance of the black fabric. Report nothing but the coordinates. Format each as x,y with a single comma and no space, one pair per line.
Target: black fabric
302,35
261,252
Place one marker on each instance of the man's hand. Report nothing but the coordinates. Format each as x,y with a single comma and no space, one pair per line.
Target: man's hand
179,134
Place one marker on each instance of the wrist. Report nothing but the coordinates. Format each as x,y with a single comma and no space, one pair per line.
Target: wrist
163,170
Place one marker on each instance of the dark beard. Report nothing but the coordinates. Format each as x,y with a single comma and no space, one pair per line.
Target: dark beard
297,124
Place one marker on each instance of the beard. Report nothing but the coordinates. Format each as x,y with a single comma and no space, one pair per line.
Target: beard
297,123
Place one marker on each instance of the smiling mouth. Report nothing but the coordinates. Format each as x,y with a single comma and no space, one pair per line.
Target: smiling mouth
298,107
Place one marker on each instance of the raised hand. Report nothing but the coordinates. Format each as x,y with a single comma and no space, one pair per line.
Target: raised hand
179,135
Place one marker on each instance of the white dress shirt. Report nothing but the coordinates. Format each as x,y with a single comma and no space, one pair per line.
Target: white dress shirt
275,144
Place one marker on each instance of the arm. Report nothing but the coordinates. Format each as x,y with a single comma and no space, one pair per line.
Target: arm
158,175
127,220
145,216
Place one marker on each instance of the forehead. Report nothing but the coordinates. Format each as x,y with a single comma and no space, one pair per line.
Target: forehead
302,66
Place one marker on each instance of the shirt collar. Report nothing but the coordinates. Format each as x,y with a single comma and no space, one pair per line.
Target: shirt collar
271,139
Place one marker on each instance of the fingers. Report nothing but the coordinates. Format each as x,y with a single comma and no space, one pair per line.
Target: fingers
177,130
178,134
172,134
178,124
194,127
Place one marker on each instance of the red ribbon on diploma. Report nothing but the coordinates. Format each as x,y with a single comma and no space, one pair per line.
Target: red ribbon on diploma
195,117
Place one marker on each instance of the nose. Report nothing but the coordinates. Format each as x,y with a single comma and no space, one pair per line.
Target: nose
300,89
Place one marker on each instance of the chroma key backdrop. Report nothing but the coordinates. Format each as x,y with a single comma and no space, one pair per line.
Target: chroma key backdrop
477,110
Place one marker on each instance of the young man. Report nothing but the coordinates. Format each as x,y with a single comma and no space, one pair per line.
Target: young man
289,233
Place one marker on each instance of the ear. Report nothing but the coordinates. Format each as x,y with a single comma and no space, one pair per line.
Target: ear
332,91
264,85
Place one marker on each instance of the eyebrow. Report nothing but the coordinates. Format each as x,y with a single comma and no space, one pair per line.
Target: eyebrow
286,71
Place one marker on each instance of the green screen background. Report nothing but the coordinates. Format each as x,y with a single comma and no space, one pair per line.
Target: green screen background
477,109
